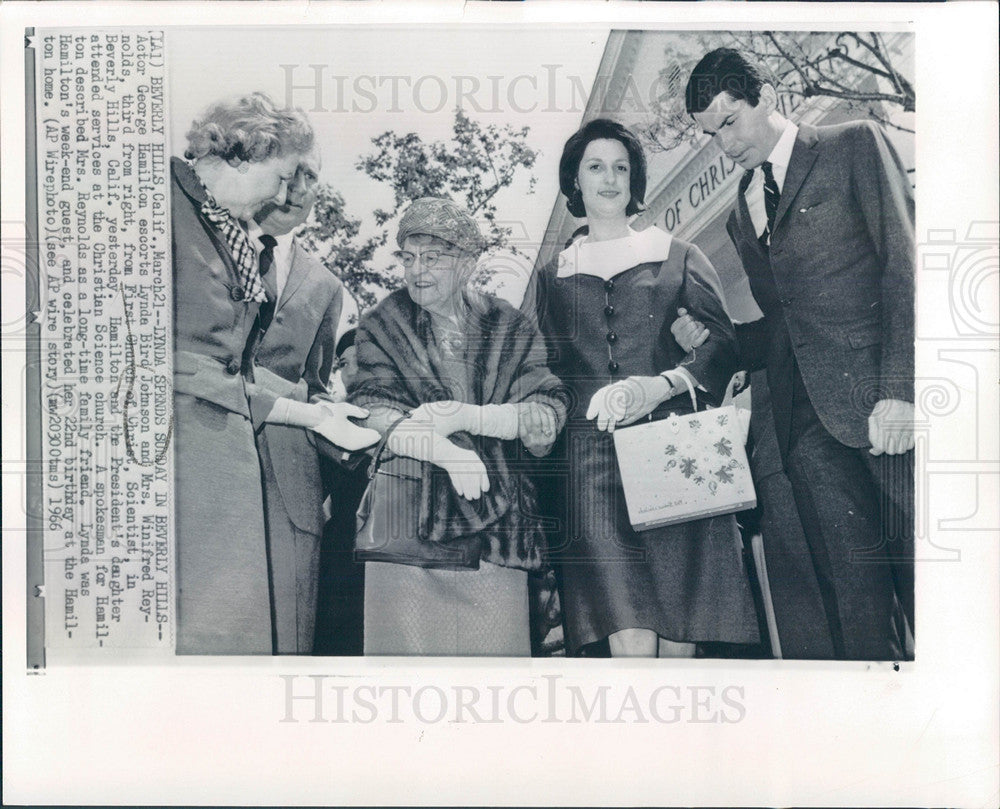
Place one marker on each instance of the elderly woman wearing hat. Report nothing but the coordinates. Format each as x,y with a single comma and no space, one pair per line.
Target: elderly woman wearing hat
457,381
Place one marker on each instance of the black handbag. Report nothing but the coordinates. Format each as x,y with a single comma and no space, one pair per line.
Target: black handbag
393,518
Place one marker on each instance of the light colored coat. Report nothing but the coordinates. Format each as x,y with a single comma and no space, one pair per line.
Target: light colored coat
223,606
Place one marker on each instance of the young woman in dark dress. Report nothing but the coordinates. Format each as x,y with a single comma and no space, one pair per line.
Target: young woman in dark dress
606,305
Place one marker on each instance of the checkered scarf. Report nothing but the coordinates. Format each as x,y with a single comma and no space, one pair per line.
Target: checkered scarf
239,244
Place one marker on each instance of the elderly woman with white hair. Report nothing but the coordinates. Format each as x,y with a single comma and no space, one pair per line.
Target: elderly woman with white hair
457,382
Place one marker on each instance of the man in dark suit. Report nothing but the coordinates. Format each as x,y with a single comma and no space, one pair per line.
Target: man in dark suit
824,227
294,356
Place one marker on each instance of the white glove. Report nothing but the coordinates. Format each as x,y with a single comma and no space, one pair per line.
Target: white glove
466,469
447,417
624,402
336,427
415,437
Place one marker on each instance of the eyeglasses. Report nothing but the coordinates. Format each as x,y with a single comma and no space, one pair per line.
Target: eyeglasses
430,259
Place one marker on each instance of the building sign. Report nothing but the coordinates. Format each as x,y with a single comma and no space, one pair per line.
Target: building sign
693,195
699,191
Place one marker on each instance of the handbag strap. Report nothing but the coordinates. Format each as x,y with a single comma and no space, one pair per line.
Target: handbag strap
690,387
726,400
377,457
730,390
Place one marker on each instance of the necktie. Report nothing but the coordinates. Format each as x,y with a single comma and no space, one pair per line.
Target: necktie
771,198
268,280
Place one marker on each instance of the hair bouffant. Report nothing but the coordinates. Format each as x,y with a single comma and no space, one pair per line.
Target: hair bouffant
569,164
251,128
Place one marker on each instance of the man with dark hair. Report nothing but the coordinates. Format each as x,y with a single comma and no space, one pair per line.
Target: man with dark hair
825,232
729,71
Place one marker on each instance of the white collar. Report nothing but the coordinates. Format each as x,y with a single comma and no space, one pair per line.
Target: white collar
282,244
781,154
609,258
255,232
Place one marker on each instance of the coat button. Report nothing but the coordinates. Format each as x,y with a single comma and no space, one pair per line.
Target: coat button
236,293
613,366
233,367
786,301
609,285
609,310
612,338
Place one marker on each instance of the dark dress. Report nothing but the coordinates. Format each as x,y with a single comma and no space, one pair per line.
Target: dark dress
686,582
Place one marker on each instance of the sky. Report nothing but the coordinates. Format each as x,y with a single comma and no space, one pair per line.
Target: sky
408,79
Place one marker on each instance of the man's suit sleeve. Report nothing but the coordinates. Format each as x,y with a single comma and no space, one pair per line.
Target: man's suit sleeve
753,339
322,354
884,194
714,363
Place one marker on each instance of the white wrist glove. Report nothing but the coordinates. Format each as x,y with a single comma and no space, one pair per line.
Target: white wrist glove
624,402
294,414
491,421
466,469
447,417
336,427
498,421
415,437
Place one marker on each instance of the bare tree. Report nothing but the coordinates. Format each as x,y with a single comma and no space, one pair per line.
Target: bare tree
856,68
669,125
335,238
477,163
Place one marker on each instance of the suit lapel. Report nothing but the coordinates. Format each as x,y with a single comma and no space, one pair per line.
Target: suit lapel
803,156
297,273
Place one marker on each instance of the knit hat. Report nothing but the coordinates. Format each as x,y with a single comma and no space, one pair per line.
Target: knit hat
443,219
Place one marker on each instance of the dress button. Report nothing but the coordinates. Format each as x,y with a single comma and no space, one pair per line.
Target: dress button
612,337
613,366
609,310
233,367
236,293
609,285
